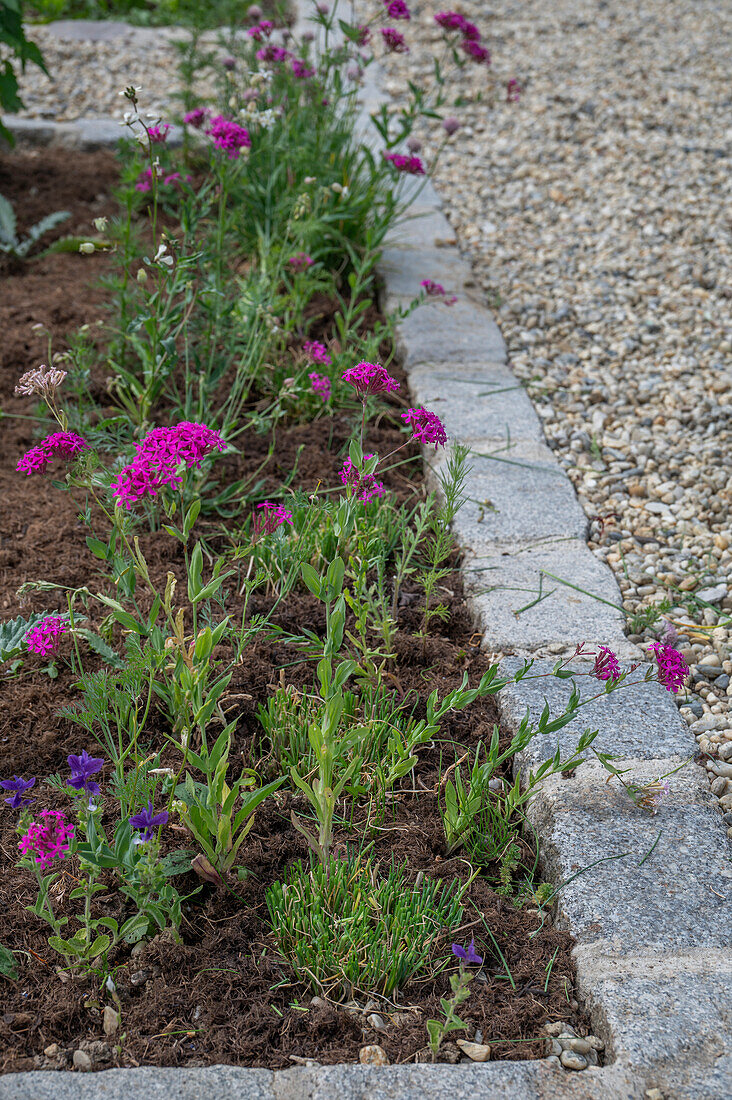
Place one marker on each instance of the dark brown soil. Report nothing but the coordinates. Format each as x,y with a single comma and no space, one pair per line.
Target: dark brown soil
223,995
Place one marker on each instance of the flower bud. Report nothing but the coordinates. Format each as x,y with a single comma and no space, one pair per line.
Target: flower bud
414,144
87,247
450,126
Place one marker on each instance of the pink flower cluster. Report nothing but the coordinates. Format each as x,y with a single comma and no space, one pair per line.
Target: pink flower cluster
158,134
49,840
300,70
454,21
317,352
273,54
320,384
412,166
426,426
437,290
607,666
269,519
197,117
300,261
394,41
145,180
363,487
45,637
369,379
37,459
261,30
672,668
158,458
228,136
397,9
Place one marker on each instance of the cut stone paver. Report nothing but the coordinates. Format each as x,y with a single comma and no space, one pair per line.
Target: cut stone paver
676,897
517,495
436,333
639,720
478,403
503,582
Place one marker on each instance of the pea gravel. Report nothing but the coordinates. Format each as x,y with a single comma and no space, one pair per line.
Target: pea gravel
596,213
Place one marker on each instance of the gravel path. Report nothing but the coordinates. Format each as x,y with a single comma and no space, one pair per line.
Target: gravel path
596,212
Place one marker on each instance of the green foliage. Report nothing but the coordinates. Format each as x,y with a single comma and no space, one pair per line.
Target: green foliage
12,36
344,927
8,964
10,242
438,1029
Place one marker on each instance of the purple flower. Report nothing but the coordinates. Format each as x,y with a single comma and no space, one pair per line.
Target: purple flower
158,457
370,379
82,769
437,290
397,9
320,384
414,144
197,117
317,352
66,444
513,91
261,30
300,261
273,54
19,786
394,41
146,822
363,487
672,668
49,840
412,166
300,70
229,63
469,956
364,34
607,666
450,20
157,134
269,519
426,426
45,637
228,136
451,126
475,51
470,31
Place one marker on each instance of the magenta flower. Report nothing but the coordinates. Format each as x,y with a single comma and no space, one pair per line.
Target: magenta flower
49,840
45,637
397,9
197,117
320,384
158,134
475,51
513,91
146,822
82,769
369,379
672,668
261,30
300,261
18,786
364,35
469,955
394,40
158,458
270,519
470,31
363,487
228,136
426,426
437,290
412,166
300,70
66,444
144,180
607,666
450,20
273,54
317,352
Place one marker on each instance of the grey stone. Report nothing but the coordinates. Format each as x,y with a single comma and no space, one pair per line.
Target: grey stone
518,494
677,898
637,720
504,580
442,334
145,1083
669,1017
86,134
403,268
89,30
479,404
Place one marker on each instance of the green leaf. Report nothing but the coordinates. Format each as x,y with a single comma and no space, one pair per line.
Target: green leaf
101,944
8,963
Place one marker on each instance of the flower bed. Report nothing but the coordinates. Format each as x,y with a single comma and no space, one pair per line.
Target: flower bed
261,807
